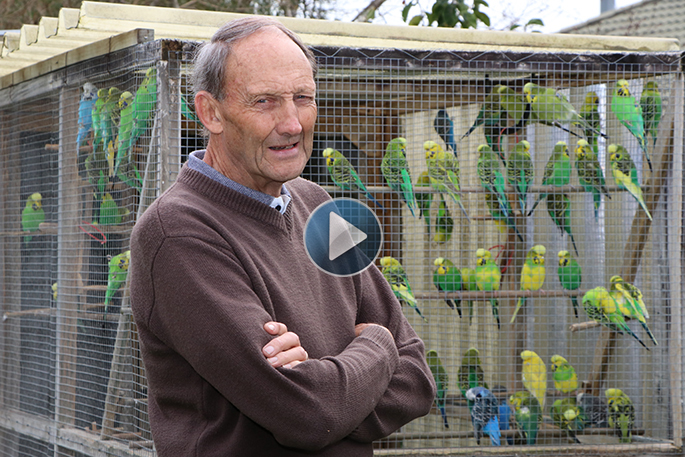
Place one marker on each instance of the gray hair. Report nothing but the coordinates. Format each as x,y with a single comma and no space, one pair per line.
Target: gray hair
209,69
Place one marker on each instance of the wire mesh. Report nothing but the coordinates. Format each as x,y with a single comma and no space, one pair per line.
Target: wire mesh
70,354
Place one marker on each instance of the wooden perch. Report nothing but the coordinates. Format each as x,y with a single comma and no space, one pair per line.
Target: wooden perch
583,326
485,295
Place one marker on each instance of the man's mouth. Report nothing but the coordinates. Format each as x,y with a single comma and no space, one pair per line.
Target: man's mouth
283,148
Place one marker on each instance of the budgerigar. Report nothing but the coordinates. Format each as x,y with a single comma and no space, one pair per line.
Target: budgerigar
488,276
344,175
568,416
443,171
118,270
110,212
447,278
424,199
444,127
470,373
628,111
96,118
625,174
441,382
559,209
444,224
395,170
484,414
109,122
621,415
394,272
590,112
601,307
32,215
470,283
563,374
570,276
532,274
514,106
534,376
492,180
552,108
124,164
651,105
491,116
557,171
85,120
505,416
594,410
590,174
528,415
630,303
520,172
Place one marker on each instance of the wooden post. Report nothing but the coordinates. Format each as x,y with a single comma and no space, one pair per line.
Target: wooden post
69,252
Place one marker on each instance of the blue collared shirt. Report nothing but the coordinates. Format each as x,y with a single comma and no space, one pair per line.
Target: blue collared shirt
196,162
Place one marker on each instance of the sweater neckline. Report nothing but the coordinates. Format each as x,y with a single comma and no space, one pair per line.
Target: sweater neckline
237,201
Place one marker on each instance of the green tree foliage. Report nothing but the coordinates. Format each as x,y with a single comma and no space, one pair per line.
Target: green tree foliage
449,13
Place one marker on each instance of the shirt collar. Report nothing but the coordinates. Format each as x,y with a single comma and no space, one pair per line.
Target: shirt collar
196,162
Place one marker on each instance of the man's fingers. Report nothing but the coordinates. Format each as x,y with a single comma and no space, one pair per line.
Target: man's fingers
275,328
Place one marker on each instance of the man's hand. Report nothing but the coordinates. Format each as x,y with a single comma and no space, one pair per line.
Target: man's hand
359,327
284,350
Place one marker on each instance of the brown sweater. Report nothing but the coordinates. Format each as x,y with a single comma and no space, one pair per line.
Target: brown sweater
209,267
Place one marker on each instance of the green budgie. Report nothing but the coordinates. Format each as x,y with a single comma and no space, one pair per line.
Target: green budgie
552,108
528,415
651,105
96,115
630,303
625,174
491,116
568,416
395,275
447,278
32,215
470,374
559,209
493,181
564,375
443,171
110,212
118,270
590,174
109,121
570,276
444,224
520,172
488,277
621,414
441,382
424,199
590,113
557,171
602,308
395,170
629,112
344,175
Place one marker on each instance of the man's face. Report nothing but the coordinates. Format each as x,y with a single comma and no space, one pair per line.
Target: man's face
267,114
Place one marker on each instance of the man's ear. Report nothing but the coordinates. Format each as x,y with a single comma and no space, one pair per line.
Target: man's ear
207,109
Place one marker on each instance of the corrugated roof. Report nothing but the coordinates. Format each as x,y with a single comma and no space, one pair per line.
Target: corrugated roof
98,28
649,18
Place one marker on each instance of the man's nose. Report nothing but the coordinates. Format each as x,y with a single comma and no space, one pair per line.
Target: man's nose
289,119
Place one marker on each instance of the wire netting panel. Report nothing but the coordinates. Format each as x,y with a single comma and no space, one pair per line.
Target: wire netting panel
465,199
70,355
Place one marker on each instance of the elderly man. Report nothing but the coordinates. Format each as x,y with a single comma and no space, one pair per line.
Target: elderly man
249,348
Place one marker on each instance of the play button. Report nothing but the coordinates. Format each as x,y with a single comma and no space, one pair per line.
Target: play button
343,237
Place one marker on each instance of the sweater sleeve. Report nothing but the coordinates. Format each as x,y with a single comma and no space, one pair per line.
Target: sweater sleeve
412,389
205,309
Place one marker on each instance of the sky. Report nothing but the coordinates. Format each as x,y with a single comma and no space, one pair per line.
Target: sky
556,14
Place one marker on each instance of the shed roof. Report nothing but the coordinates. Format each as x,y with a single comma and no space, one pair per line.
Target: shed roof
99,28
649,18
